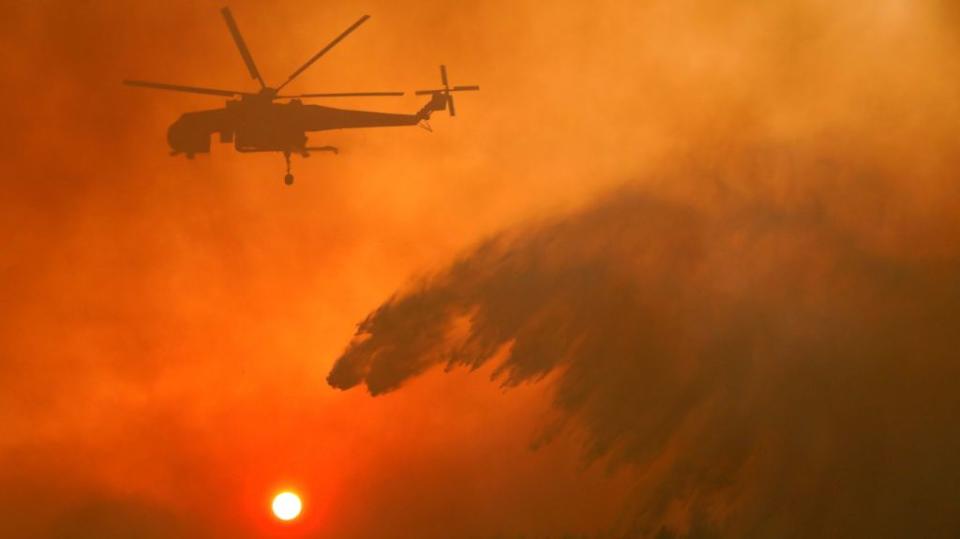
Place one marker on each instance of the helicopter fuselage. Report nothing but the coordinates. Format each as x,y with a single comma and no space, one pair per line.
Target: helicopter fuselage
263,125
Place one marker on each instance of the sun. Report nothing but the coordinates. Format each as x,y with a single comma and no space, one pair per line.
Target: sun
286,505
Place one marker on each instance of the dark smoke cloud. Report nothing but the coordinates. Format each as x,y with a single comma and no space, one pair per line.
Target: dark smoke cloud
769,366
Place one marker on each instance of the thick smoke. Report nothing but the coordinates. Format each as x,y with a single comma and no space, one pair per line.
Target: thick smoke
768,369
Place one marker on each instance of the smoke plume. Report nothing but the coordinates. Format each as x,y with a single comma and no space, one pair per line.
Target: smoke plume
767,365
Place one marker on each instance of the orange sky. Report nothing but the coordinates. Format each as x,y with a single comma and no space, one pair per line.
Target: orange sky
170,323
167,325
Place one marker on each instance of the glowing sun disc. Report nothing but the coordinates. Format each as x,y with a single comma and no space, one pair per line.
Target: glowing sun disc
286,506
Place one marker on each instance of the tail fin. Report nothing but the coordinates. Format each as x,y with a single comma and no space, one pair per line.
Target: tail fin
437,102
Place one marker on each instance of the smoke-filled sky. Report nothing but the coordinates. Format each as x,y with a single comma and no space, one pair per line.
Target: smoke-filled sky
707,250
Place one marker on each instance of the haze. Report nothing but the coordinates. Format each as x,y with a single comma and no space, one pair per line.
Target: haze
168,326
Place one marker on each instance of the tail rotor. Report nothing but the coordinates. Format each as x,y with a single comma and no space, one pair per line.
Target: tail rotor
447,91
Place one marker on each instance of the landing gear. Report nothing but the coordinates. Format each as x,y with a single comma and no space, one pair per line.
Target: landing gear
288,179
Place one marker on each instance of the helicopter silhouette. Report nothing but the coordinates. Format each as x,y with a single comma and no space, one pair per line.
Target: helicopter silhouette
256,122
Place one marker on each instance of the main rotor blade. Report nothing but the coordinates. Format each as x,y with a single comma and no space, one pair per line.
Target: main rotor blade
323,51
179,88
443,76
450,107
345,94
244,51
444,90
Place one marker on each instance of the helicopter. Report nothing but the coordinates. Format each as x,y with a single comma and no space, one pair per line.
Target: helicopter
258,122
